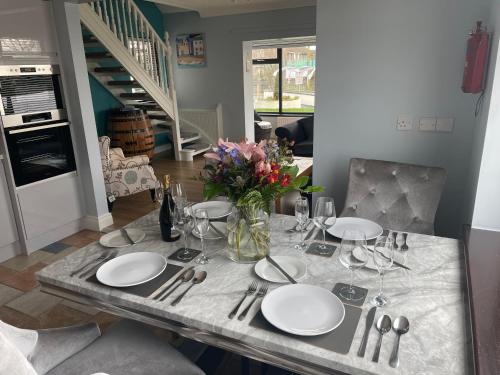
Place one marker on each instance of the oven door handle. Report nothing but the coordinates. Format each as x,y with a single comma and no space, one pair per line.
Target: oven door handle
25,130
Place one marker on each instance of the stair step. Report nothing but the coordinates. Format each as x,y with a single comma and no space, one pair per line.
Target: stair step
134,95
161,130
149,107
189,137
153,116
197,147
124,83
99,55
164,125
111,69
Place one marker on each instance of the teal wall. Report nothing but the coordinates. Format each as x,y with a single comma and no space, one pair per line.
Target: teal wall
102,99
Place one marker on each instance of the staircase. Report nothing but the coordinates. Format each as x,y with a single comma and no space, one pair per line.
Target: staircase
126,55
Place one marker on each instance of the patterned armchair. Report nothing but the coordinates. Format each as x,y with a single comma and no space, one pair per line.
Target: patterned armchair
125,175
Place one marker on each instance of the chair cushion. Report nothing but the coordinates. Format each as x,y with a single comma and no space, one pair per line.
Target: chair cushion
12,360
397,196
23,339
128,348
304,148
307,124
58,344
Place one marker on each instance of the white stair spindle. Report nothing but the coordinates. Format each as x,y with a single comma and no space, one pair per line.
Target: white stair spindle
119,21
105,13
112,16
131,46
125,24
98,8
139,56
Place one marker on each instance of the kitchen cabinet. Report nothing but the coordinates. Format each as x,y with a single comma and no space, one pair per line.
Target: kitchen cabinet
8,228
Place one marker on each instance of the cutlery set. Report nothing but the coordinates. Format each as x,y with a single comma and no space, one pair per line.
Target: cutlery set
188,275
252,290
400,326
90,268
405,246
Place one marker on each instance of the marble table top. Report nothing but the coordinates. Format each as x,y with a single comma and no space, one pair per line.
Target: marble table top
432,296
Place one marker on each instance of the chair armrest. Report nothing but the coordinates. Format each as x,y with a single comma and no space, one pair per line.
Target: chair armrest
131,162
116,152
56,345
290,132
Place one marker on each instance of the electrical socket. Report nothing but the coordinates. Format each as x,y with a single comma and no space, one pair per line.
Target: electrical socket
405,122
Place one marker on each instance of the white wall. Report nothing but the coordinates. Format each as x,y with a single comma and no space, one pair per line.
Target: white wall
381,58
485,171
222,80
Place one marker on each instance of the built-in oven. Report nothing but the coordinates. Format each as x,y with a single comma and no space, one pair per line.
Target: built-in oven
35,122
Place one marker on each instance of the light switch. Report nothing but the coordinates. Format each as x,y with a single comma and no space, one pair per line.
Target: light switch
428,124
445,125
405,122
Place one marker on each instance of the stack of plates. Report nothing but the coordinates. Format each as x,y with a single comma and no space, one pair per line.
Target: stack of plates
371,229
117,239
215,209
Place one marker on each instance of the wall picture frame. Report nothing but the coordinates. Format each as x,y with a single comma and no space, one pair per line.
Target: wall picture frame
191,50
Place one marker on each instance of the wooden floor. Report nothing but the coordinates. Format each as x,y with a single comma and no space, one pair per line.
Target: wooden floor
21,302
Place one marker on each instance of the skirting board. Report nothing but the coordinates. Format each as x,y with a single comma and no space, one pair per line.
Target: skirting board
97,223
10,251
54,235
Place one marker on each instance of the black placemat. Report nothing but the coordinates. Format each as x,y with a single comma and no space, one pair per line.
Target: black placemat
339,340
146,289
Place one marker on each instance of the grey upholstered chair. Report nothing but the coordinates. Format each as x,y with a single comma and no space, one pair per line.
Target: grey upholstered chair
397,196
127,348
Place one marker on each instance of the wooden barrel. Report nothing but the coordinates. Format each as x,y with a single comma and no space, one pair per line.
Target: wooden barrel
130,129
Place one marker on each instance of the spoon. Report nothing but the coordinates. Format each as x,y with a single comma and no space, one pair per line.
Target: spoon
198,278
184,279
405,245
401,326
395,236
383,326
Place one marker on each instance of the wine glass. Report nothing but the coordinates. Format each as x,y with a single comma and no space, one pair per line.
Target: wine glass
353,255
201,224
159,193
301,215
178,194
183,222
383,257
324,217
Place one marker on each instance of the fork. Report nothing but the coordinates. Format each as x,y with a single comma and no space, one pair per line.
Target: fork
251,290
96,260
94,269
405,245
261,293
395,236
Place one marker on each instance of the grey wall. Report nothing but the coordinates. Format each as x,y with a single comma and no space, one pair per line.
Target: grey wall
484,205
221,81
378,59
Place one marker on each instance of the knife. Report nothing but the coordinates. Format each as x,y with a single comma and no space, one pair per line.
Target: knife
159,292
394,262
127,237
271,260
370,317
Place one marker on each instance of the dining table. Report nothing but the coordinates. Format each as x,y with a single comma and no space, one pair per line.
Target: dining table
432,295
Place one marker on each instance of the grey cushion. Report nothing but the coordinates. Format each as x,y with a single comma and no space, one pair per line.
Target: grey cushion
307,124
128,348
397,196
55,345
304,148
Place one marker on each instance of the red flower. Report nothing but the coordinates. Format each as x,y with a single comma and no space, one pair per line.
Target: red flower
272,178
285,180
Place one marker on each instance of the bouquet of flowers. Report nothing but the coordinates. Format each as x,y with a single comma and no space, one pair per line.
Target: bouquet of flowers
252,174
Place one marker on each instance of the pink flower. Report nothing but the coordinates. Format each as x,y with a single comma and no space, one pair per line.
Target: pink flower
212,155
258,152
262,168
246,149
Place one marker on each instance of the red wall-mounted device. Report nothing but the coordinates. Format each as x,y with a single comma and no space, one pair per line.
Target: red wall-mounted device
476,63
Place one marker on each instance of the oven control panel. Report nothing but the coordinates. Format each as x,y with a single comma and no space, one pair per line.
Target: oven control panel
17,70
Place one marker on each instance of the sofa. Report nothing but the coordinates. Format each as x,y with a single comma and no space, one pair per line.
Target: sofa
301,132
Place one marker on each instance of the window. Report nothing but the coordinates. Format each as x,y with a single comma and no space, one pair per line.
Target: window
284,79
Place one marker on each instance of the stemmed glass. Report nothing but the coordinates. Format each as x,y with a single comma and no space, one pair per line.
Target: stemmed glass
201,223
178,194
301,215
184,223
353,255
159,194
383,257
324,217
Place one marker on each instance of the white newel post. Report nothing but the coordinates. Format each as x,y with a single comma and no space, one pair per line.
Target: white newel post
79,101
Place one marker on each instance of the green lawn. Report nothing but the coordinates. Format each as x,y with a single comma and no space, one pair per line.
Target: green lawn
289,110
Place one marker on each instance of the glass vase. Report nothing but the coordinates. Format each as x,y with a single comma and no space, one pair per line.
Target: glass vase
248,239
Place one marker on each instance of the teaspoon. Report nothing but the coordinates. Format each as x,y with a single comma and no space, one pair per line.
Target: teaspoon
198,278
383,326
401,326
185,278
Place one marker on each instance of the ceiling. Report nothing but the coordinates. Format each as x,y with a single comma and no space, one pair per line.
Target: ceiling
212,8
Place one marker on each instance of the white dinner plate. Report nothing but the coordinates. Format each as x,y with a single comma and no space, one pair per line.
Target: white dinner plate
292,265
215,209
131,269
212,234
369,228
305,310
357,253
117,239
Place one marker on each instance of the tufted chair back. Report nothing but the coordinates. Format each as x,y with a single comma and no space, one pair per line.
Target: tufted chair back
397,196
